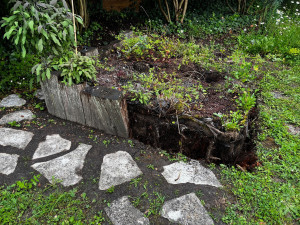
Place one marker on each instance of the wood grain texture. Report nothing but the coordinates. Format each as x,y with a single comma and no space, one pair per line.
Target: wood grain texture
100,107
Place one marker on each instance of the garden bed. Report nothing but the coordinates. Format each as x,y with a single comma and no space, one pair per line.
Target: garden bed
173,103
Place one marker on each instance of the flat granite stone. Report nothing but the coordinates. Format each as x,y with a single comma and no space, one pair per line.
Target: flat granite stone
186,210
117,168
192,172
122,212
12,101
64,168
15,138
17,116
8,163
293,129
54,144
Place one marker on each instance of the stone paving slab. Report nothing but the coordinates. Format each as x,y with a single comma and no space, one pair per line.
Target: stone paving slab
8,163
64,168
15,138
122,212
186,210
192,172
117,168
17,116
12,101
54,144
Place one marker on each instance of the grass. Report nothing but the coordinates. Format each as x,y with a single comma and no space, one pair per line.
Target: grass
270,195
25,202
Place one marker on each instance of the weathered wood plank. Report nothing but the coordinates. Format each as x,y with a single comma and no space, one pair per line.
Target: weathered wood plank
109,110
98,107
53,96
72,102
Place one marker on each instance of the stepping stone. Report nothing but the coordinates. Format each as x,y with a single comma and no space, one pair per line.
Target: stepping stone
192,172
278,95
117,168
17,116
122,212
294,130
8,163
64,168
54,144
15,138
186,210
12,101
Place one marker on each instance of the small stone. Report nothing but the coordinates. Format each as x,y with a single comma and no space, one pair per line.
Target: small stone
278,95
294,130
17,116
122,212
8,163
64,168
12,101
186,210
54,144
90,51
117,168
40,94
192,172
15,138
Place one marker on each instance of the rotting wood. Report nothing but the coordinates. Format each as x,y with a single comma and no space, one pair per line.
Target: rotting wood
98,107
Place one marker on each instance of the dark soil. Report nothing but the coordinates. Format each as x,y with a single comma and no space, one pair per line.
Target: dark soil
158,126
46,124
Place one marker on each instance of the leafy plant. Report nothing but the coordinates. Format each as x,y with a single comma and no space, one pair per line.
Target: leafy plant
77,70
111,189
39,27
16,72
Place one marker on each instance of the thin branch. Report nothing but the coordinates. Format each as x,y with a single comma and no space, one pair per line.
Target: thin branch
184,10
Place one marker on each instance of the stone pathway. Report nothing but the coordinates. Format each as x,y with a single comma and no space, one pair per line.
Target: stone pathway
65,166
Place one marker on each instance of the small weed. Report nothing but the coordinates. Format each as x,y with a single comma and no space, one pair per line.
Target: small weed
150,166
106,142
130,142
14,124
135,181
111,190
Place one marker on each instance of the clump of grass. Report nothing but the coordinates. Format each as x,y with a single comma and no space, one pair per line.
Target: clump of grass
270,195
25,202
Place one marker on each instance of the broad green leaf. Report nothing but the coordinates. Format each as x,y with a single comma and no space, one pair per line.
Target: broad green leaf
9,33
34,68
38,69
40,45
23,39
8,19
23,51
45,34
30,24
48,73
56,41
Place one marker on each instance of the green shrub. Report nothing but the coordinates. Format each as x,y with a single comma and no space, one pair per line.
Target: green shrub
39,27
16,72
280,36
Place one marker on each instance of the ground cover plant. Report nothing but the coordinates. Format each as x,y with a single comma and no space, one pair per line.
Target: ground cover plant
226,69
29,203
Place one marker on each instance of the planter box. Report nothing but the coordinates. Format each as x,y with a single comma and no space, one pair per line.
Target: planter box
98,107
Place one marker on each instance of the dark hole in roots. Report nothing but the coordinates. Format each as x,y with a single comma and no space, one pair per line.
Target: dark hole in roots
162,132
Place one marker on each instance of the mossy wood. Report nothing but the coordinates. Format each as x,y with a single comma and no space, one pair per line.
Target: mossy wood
97,107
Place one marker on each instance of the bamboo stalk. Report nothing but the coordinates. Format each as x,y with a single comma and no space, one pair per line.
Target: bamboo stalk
74,27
